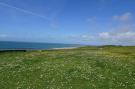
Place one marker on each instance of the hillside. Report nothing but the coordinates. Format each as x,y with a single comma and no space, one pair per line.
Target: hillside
106,67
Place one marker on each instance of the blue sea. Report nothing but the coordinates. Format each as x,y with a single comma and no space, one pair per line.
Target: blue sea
5,45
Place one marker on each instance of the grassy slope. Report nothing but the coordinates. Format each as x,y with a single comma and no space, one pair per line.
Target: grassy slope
82,68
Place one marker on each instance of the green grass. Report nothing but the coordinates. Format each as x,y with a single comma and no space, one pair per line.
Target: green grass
106,67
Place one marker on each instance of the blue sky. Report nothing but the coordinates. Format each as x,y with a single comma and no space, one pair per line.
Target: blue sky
93,22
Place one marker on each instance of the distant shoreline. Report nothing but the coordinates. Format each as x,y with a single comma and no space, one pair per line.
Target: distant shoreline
65,48
25,50
25,46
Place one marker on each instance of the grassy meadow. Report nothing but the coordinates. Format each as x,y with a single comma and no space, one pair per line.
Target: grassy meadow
106,67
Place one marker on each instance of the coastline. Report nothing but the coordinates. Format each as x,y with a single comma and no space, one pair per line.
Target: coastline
64,48
25,50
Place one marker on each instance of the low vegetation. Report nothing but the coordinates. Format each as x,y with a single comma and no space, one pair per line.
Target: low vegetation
106,67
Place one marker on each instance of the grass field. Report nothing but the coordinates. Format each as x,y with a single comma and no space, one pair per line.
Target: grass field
106,67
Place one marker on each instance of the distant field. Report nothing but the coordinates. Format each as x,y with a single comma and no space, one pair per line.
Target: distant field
106,67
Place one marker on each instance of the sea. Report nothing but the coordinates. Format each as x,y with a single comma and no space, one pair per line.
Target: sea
7,45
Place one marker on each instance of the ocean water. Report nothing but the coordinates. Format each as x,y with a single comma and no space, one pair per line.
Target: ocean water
31,45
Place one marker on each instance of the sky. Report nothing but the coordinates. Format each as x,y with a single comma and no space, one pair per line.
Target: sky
93,22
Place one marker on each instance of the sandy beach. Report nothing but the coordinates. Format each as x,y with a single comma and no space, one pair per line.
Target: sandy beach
65,48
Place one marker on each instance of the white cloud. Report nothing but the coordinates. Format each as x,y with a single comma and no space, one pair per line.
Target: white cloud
86,37
104,35
125,37
128,36
124,33
124,17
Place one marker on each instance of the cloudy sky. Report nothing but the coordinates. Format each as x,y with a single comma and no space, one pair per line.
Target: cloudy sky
93,22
